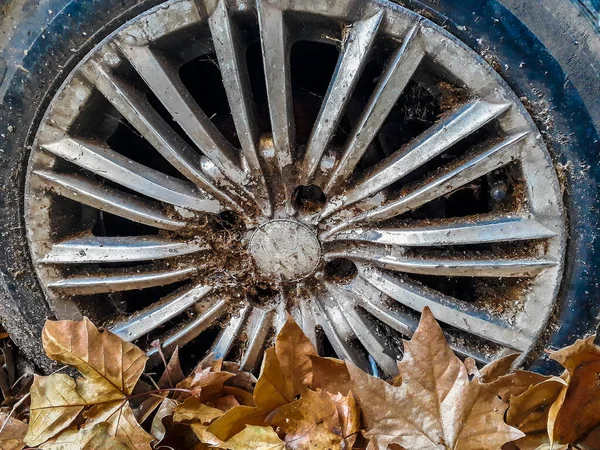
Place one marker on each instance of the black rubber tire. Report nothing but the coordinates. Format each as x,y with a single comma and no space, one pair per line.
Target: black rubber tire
547,50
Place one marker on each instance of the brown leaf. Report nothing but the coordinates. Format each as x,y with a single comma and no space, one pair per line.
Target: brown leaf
206,383
165,411
193,410
12,432
255,438
349,416
577,409
330,375
94,438
105,358
496,369
285,373
122,424
529,411
309,423
55,403
293,351
436,405
173,373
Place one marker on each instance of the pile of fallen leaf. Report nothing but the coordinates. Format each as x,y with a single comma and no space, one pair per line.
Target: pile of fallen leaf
301,400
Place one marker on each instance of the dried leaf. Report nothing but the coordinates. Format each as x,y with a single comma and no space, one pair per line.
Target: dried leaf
192,410
55,403
105,358
255,438
496,369
577,409
330,375
122,424
436,405
94,438
293,351
309,423
166,409
349,416
12,432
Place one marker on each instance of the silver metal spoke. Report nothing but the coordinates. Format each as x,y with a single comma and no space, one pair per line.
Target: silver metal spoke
435,141
110,200
378,305
338,331
355,53
464,231
110,165
147,320
363,331
165,83
275,45
146,120
211,312
255,330
232,62
449,181
101,249
391,84
461,266
445,309
127,280
229,333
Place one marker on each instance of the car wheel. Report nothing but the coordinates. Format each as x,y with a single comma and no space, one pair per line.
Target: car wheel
191,172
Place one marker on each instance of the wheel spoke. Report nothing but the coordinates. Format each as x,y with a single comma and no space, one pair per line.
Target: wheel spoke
363,331
147,320
211,312
417,297
231,55
230,333
378,305
432,143
108,199
125,281
110,165
165,83
274,42
464,266
338,331
100,249
142,116
355,54
256,330
394,79
460,232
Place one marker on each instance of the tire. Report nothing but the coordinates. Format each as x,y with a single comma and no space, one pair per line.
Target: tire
547,51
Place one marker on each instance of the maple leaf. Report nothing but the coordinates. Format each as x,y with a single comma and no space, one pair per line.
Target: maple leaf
436,406
110,367
285,373
12,432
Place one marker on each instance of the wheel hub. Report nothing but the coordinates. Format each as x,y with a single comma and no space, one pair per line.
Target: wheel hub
285,250
396,171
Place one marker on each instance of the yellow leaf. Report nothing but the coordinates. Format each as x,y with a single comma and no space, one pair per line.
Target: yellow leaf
55,403
12,433
122,424
436,404
193,410
102,357
255,438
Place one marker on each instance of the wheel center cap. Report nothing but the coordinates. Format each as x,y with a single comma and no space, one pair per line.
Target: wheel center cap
285,249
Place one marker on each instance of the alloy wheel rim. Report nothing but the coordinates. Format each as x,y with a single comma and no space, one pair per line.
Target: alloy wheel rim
248,225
